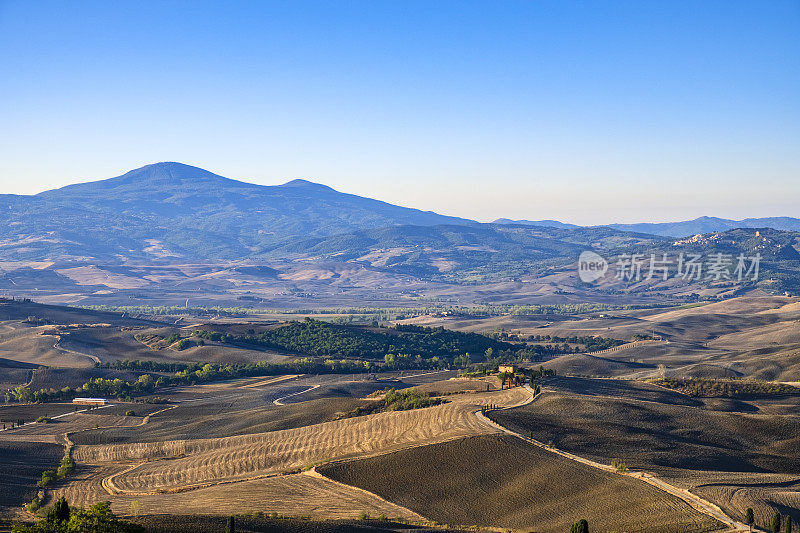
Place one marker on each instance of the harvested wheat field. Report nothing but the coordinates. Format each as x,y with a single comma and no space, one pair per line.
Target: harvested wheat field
176,465
259,472
516,485
221,417
303,494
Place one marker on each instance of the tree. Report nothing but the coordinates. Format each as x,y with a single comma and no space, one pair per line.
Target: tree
59,512
749,518
503,376
776,522
230,527
98,518
788,525
135,507
581,526
23,394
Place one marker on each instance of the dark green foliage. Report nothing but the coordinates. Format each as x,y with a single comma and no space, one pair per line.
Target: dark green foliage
420,348
776,522
67,465
98,518
187,343
581,526
59,512
404,400
396,400
787,526
48,476
727,388
186,374
315,337
749,518
230,525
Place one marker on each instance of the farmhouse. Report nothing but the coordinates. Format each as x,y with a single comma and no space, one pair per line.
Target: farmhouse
511,369
90,401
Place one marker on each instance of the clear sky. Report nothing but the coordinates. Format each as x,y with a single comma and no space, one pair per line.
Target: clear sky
587,111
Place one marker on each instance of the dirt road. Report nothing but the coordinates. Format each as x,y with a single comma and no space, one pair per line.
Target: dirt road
692,499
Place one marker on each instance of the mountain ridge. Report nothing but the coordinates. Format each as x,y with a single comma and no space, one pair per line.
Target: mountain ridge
189,211
682,228
173,210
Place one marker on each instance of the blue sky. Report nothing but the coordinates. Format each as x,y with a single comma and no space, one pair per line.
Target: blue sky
587,112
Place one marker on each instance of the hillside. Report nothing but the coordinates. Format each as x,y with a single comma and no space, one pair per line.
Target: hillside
170,210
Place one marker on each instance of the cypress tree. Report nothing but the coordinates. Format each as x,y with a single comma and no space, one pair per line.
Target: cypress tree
230,527
60,511
749,518
788,526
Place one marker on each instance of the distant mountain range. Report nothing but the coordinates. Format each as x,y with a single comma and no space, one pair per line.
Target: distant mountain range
166,212
678,229
541,223
168,231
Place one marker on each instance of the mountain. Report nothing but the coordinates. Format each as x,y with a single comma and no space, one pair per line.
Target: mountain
683,228
709,225
542,223
177,210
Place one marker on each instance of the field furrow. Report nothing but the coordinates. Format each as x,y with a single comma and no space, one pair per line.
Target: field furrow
177,465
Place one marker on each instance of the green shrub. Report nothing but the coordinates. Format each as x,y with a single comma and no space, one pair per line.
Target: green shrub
34,505
48,476
619,466
404,400
67,465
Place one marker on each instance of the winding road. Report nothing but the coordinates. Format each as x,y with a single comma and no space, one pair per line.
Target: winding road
92,357
279,401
